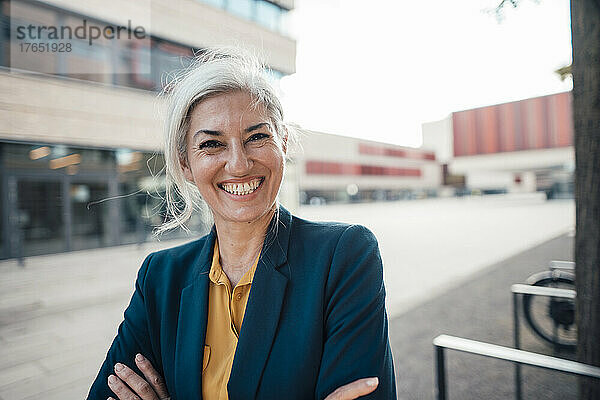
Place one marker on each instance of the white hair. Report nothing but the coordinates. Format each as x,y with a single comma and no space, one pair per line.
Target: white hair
213,71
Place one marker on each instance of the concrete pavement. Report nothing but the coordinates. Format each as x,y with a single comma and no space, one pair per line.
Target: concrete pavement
430,246
480,309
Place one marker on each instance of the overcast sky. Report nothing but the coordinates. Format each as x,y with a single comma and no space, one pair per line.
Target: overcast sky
378,69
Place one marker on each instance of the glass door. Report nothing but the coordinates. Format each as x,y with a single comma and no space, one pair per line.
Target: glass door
89,215
40,216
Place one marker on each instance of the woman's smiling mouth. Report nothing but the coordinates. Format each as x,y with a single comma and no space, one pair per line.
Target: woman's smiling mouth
242,188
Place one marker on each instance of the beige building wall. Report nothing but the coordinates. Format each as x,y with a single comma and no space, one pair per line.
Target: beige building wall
192,23
438,137
52,110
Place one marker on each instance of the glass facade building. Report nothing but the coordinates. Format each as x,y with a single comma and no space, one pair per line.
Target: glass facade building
267,14
137,64
141,64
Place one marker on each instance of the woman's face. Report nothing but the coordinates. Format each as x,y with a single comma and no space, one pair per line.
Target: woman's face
235,157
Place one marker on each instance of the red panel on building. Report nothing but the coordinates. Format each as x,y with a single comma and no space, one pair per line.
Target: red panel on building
459,134
535,126
506,118
519,125
488,130
564,118
537,123
471,133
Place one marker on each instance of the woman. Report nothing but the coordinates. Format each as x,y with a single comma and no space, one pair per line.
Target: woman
267,305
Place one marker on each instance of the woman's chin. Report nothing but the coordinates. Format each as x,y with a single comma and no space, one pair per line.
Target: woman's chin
246,214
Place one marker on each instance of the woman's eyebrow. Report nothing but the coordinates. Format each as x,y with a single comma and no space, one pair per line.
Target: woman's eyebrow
207,132
219,133
257,126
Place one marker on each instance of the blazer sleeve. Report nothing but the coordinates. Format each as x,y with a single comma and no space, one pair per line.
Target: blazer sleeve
356,343
132,338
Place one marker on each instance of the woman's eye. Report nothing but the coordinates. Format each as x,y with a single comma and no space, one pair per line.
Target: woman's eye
257,136
209,144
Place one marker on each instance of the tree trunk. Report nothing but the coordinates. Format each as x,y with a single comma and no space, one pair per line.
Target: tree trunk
585,28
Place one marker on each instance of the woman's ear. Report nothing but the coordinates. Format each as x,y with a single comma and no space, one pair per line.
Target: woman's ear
187,172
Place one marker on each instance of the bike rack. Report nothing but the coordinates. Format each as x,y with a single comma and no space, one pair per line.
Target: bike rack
562,265
516,356
521,289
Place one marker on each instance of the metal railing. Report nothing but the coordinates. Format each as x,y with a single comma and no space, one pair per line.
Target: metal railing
562,265
520,289
519,357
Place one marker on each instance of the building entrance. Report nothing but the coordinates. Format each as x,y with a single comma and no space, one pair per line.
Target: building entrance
38,216
50,215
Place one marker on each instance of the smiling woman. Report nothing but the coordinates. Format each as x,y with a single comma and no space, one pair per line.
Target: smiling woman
234,157
195,99
267,305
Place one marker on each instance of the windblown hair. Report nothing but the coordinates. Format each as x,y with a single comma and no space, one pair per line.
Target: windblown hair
212,72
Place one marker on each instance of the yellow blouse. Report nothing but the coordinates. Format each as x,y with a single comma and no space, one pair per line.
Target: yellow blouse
226,309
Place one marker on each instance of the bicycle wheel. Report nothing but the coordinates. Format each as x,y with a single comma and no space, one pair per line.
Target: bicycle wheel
552,319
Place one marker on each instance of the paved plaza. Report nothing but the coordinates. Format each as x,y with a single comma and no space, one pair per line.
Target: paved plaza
59,313
479,308
430,246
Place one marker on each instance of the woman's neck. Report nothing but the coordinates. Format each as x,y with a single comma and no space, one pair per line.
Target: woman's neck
240,244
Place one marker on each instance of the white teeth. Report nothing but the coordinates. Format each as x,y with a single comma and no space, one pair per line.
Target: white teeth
241,189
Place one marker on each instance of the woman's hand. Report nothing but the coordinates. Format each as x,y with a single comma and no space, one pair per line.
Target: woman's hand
354,390
128,385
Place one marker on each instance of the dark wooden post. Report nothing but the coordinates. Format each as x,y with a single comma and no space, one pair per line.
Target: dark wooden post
585,26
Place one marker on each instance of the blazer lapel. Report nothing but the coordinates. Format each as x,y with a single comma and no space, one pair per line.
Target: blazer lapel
262,311
191,327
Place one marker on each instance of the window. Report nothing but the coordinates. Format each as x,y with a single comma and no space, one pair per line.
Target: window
167,58
241,8
269,15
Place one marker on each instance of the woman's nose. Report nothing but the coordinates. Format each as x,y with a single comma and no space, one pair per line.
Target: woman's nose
238,163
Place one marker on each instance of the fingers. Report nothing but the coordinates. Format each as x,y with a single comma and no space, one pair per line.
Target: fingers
128,385
154,378
120,389
354,390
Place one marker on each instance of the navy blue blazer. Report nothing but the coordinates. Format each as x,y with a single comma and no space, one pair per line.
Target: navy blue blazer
315,318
